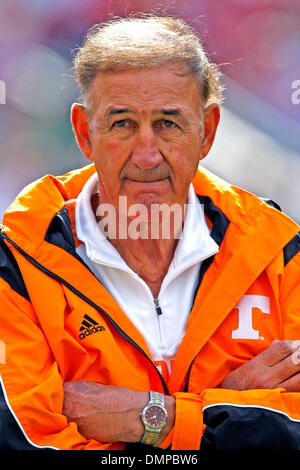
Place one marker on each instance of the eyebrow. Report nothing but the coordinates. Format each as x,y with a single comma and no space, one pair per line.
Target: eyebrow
168,112
114,111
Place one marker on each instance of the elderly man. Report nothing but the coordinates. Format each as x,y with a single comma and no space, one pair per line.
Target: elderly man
115,336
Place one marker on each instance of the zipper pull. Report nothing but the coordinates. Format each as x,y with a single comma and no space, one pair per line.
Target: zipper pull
157,307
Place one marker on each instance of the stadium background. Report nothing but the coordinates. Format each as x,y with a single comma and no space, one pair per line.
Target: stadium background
257,41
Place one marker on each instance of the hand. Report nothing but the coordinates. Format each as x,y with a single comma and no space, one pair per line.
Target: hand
108,413
277,366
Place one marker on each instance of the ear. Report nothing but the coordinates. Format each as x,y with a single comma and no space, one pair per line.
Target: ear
211,122
80,125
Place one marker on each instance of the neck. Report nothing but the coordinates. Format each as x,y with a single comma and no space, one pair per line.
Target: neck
148,256
150,259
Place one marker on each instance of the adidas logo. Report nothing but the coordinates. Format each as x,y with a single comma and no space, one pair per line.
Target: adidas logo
89,326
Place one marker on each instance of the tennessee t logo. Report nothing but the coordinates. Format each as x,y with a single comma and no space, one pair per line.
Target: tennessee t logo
245,329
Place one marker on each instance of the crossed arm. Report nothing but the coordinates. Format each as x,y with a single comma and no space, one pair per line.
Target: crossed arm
109,413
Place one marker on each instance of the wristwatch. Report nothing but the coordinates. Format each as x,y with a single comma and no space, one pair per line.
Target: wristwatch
154,417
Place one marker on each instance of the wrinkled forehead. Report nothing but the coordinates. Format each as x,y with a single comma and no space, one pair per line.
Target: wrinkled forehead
169,85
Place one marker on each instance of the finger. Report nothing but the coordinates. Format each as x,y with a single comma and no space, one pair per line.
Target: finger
278,351
286,368
292,384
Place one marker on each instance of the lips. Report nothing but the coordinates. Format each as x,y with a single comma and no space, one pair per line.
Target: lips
138,180
146,181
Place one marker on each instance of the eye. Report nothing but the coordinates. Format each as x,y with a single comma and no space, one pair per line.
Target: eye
120,124
124,124
167,124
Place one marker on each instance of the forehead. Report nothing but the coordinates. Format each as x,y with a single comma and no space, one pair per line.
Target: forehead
145,90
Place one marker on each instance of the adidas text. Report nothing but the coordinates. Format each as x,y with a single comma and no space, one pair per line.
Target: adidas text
90,331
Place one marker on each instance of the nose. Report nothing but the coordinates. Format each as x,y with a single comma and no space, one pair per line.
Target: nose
146,153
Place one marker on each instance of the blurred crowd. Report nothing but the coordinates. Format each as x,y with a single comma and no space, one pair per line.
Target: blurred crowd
256,41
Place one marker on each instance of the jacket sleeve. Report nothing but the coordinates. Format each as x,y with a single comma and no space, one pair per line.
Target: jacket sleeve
220,419
261,419
31,389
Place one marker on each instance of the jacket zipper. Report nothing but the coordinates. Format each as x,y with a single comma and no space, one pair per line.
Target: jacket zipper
186,386
90,302
159,313
157,307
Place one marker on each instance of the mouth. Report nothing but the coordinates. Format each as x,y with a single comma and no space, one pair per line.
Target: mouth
148,180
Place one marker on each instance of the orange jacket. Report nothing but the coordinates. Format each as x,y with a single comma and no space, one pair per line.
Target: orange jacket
248,295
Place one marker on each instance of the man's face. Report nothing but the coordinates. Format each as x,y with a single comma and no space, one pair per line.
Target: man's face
147,134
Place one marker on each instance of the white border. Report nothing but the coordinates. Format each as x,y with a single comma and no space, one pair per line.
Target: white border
18,422
69,201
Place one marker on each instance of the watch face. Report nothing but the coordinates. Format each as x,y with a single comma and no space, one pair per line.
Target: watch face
155,416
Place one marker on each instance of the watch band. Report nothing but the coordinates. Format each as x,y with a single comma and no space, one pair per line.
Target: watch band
151,434
157,398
